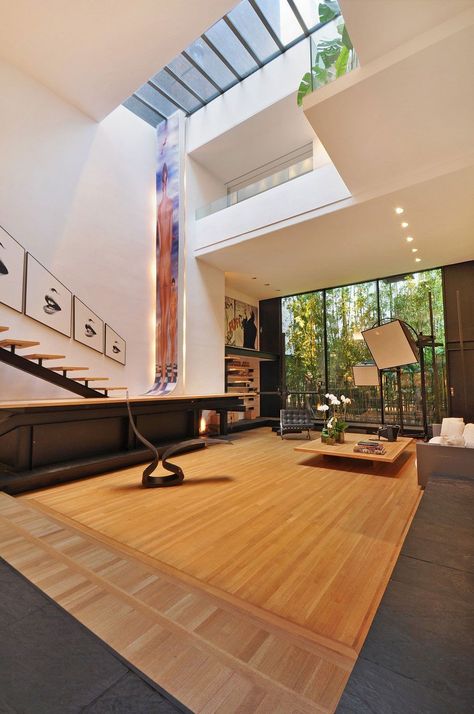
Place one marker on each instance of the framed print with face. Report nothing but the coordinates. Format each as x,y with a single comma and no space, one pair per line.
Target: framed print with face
47,300
12,270
115,346
88,327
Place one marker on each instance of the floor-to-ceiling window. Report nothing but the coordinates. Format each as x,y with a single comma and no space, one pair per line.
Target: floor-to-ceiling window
323,341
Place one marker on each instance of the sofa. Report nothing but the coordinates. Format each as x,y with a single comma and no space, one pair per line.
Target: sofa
449,453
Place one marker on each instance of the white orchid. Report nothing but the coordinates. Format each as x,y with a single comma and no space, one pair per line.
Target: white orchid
330,421
323,408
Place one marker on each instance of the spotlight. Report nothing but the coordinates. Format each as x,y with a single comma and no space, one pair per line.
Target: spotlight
409,239
399,210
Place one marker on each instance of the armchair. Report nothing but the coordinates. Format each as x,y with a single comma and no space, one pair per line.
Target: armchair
294,421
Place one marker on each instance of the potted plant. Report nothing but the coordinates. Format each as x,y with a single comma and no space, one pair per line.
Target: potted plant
334,428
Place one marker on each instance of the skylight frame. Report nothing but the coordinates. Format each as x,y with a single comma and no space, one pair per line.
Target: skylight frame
248,53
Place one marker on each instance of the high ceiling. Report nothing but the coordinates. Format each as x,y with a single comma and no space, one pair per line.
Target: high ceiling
95,54
252,34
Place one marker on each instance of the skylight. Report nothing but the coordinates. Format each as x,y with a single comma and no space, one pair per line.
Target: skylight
248,37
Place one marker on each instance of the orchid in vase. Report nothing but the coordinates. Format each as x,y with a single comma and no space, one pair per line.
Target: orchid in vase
334,418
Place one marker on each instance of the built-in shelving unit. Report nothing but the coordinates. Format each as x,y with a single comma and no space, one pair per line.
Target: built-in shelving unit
242,377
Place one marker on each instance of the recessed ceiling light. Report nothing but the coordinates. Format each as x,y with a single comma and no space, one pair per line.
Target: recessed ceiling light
404,224
417,260
399,210
409,239
414,250
277,290
254,278
266,284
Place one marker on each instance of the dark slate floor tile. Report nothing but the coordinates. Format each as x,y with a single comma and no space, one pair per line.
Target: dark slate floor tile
54,665
131,695
450,553
426,638
5,708
446,582
17,598
372,689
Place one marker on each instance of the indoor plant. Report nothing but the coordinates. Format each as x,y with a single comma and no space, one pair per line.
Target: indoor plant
334,427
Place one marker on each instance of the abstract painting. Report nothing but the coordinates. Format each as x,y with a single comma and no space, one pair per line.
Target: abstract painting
12,268
47,299
167,254
88,327
115,346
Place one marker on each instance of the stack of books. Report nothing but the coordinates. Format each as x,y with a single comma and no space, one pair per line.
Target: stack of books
370,447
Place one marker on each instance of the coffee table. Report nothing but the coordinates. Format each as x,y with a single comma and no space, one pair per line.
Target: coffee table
393,448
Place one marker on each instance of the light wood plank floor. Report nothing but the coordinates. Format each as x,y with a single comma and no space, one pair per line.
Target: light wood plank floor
263,570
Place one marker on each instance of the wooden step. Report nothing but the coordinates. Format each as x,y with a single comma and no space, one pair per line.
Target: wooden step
65,368
17,344
41,357
90,379
3,328
106,390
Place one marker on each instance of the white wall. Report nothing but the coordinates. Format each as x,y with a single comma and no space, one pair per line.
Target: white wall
204,316
80,197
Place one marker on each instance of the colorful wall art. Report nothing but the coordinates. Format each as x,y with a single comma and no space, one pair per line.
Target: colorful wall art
115,346
241,324
167,255
88,327
12,266
47,299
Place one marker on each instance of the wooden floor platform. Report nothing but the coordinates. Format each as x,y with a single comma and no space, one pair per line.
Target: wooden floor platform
249,588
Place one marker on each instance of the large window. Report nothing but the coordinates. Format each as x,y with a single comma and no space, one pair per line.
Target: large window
323,341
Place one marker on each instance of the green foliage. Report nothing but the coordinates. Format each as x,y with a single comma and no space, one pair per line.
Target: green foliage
333,58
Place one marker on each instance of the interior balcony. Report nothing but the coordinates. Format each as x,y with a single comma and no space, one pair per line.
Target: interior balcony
402,116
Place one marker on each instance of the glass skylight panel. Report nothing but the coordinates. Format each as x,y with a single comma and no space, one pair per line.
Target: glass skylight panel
157,100
308,10
193,78
206,58
176,91
141,110
254,32
231,48
282,20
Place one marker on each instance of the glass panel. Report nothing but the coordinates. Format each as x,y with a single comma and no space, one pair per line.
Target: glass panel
303,327
156,99
282,19
211,64
176,91
349,310
191,76
142,111
406,298
229,46
309,11
247,22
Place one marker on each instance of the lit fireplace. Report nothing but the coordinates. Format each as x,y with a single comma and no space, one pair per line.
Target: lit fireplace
202,426
208,423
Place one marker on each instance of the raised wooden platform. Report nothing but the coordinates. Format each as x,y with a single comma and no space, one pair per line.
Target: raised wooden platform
252,585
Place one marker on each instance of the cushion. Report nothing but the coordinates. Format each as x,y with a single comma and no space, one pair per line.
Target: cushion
448,441
468,435
452,427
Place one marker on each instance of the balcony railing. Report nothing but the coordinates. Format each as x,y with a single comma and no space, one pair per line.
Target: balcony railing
281,176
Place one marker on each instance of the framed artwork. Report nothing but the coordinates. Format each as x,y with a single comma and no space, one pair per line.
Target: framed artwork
12,271
115,346
88,327
229,321
47,300
246,322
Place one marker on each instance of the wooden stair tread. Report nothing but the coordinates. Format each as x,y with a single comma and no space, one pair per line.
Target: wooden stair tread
112,389
66,369
18,343
3,328
45,356
91,379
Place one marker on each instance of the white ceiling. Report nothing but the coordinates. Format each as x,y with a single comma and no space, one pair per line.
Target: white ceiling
95,54
378,26
360,242
264,137
389,123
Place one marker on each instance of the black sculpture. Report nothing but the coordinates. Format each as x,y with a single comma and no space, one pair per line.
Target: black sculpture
389,432
177,474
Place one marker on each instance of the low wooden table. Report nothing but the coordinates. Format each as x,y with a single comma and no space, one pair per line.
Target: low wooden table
393,448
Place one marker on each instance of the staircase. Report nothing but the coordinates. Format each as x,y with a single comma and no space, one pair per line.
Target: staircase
33,363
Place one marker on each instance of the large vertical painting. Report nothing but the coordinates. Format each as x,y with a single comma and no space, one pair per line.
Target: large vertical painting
47,299
12,266
167,255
